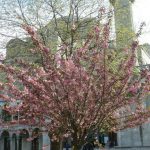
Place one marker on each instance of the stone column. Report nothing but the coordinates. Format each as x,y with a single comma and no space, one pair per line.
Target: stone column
12,143
26,145
1,143
45,141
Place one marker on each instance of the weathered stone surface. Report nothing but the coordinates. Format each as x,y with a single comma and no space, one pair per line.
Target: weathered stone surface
123,23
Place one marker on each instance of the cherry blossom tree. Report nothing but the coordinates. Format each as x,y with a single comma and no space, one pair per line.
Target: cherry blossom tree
80,90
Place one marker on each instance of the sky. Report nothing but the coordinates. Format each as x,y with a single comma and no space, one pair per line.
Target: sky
141,13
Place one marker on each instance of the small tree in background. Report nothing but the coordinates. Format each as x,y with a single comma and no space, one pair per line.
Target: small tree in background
82,90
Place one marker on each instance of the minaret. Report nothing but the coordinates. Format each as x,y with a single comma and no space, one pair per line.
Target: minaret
123,22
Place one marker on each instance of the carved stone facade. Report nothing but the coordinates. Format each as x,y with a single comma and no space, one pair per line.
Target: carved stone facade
19,137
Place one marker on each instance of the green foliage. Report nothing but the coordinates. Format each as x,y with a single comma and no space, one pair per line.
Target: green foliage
136,71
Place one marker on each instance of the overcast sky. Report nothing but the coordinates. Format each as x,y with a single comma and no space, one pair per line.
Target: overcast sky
141,12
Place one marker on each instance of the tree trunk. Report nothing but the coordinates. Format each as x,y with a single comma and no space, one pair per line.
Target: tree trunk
55,145
77,144
76,147
61,145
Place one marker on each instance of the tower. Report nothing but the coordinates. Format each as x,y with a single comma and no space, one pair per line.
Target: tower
123,22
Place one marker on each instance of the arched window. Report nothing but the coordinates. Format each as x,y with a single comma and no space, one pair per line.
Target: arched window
6,140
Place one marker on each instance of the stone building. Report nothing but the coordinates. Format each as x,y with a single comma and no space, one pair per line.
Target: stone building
139,136
17,136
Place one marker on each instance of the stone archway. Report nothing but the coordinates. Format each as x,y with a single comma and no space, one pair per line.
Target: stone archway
5,140
14,142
